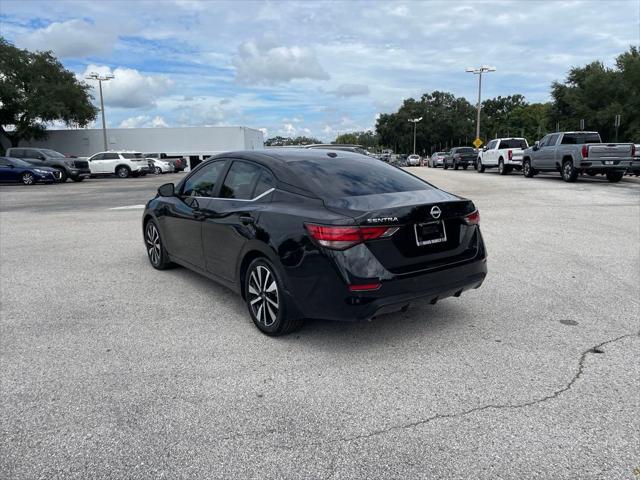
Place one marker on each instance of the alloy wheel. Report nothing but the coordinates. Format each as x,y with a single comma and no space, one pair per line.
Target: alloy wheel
262,293
154,246
28,178
123,172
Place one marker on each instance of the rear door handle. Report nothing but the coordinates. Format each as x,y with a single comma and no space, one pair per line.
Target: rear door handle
246,219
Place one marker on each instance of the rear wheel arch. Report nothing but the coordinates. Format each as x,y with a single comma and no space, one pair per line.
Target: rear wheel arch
252,252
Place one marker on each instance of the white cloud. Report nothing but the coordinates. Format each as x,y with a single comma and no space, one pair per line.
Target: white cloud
129,88
144,121
350,90
262,62
71,39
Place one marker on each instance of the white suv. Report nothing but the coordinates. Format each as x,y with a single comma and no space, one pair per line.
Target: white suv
120,163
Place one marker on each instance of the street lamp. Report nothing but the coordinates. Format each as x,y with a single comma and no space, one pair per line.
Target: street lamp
479,71
101,78
415,122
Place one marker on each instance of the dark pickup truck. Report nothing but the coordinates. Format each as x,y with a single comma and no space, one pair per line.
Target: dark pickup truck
460,157
77,169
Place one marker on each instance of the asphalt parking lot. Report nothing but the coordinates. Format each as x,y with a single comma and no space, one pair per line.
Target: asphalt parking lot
111,369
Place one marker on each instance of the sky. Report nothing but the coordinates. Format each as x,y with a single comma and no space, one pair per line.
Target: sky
313,68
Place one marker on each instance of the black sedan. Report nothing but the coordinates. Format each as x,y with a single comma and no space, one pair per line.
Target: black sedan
316,234
17,170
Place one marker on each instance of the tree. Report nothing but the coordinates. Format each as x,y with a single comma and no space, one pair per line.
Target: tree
366,139
36,89
279,141
597,94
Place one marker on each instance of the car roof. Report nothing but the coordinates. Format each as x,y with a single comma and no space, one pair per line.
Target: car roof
278,160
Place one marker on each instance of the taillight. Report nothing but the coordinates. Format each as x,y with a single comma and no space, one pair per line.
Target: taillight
510,154
585,151
364,287
473,218
341,238
633,149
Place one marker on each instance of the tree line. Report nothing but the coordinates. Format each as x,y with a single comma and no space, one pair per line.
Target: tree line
593,93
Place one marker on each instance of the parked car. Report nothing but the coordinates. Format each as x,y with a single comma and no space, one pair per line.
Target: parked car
460,157
120,163
437,159
77,169
413,160
179,163
573,153
17,170
161,166
503,153
299,235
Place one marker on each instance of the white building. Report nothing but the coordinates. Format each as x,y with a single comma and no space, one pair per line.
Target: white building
193,143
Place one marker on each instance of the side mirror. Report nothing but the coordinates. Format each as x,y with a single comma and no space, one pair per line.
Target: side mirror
167,190
536,145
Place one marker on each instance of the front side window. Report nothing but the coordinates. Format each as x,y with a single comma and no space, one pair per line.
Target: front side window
492,144
240,181
203,181
97,156
551,141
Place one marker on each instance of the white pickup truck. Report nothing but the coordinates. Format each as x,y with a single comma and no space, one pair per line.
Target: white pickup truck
504,153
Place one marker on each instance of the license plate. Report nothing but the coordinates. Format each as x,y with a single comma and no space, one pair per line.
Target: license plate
608,162
430,233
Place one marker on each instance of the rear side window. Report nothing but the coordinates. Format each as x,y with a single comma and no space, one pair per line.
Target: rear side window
203,181
17,152
265,183
353,177
110,156
513,143
580,138
240,181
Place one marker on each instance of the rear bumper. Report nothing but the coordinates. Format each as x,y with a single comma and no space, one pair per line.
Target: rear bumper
327,297
606,164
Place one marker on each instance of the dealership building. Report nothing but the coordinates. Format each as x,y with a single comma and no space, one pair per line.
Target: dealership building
193,143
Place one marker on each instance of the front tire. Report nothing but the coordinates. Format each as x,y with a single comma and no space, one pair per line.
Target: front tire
77,179
63,175
265,299
479,166
569,172
27,178
527,169
615,177
455,165
155,248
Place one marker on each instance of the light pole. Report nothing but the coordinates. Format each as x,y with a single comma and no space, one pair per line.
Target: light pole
479,71
415,123
101,78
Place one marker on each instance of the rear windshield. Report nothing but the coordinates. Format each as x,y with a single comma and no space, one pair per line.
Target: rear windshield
465,150
580,138
513,143
354,177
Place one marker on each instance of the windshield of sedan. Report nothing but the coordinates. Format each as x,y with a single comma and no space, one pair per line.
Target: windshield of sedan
52,153
353,177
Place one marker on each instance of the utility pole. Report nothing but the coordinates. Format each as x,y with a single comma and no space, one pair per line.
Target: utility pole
415,123
101,78
479,71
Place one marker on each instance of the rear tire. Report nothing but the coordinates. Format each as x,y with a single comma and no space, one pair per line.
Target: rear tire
479,166
614,177
123,171
265,299
158,171
502,170
455,165
569,172
465,167
445,166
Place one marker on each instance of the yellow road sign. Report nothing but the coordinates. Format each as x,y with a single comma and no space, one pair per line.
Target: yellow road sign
477,143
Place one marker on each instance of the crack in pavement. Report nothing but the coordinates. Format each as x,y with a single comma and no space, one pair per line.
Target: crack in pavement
556,394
